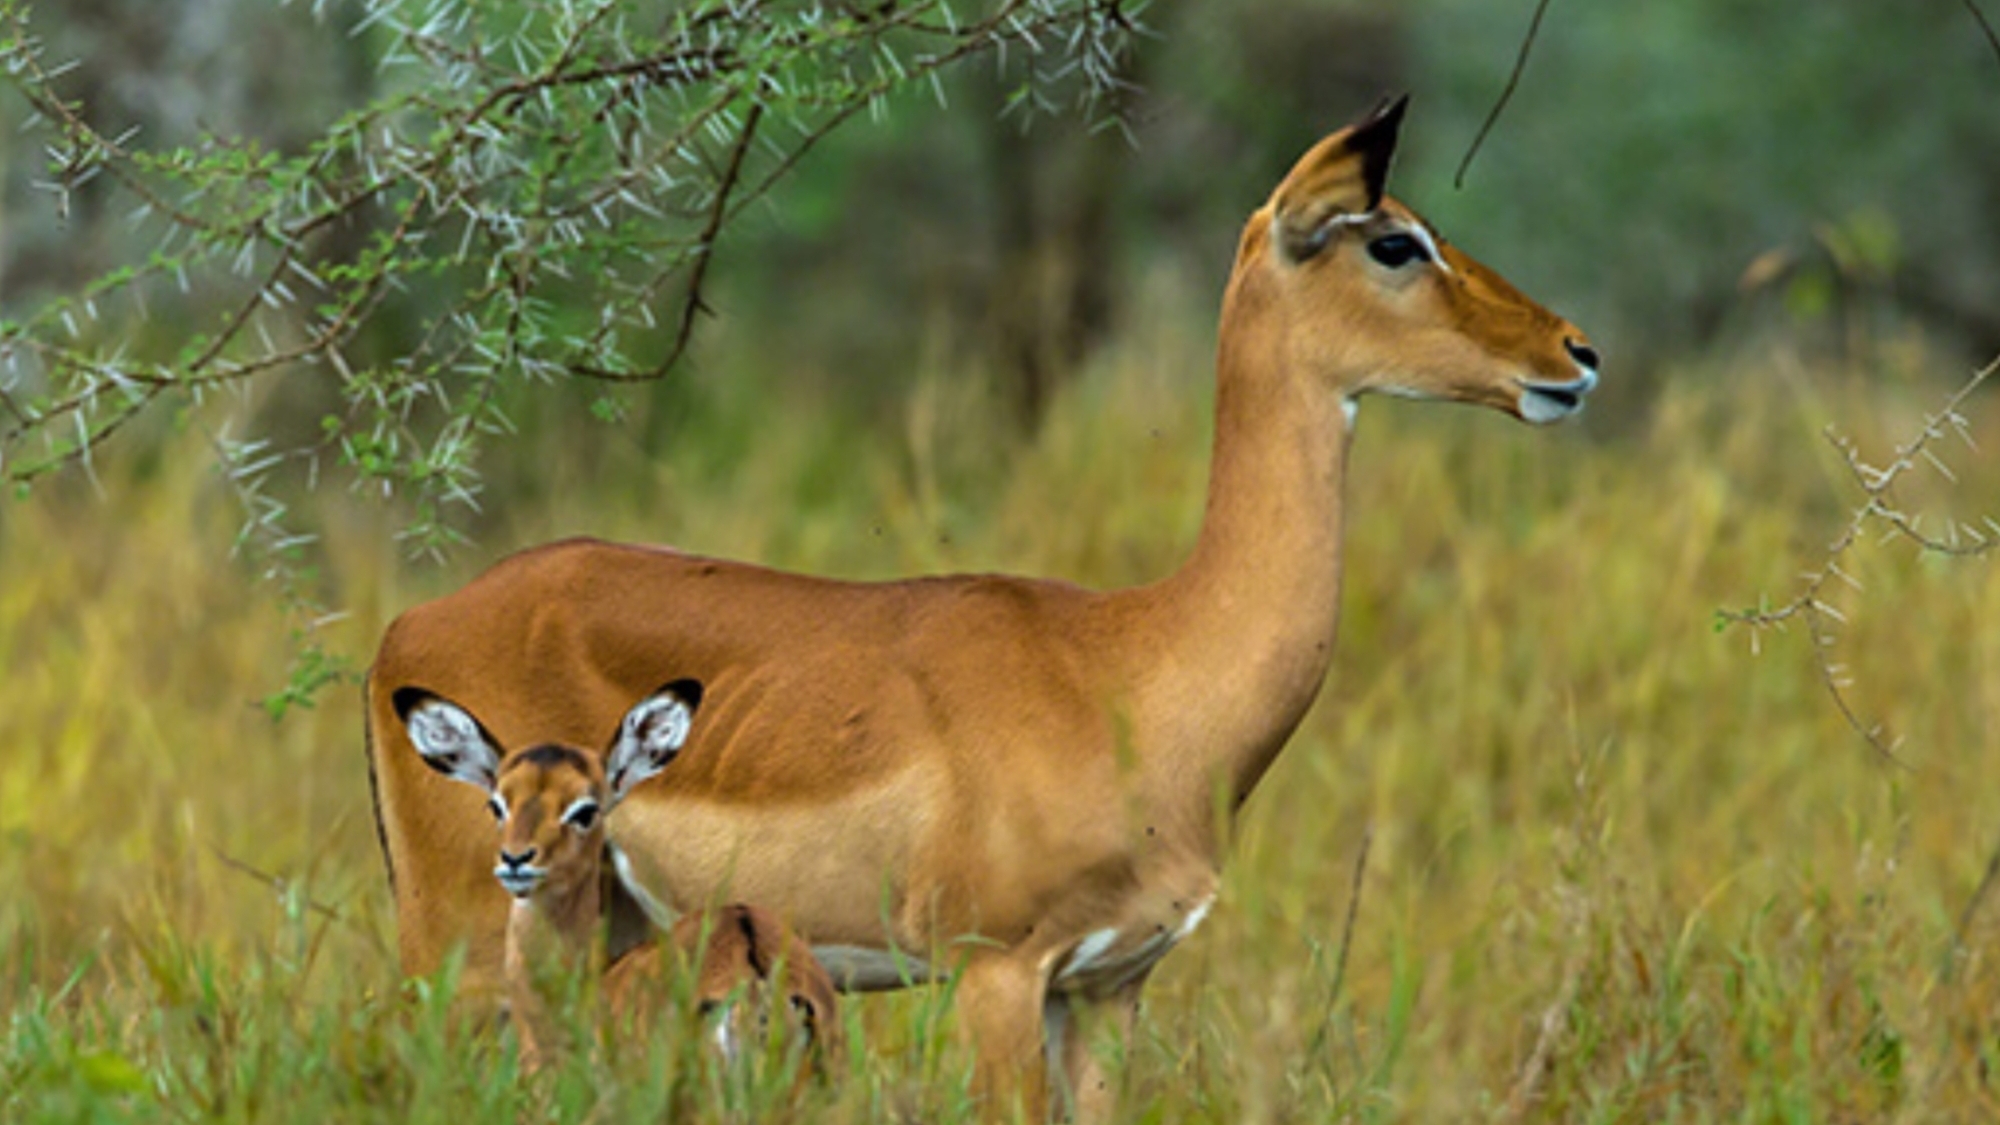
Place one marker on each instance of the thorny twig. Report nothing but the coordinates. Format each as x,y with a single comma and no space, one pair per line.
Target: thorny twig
446,177
1811,606
532,174
278,883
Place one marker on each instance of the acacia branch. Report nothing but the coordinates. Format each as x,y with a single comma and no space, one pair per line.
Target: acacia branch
529,198
1811,604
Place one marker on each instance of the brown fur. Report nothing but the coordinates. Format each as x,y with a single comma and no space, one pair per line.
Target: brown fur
1019,761
747,968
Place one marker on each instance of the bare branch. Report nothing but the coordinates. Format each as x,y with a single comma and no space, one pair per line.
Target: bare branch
1992,39
1506,93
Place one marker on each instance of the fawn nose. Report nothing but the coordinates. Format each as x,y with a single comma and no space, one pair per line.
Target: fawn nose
517,860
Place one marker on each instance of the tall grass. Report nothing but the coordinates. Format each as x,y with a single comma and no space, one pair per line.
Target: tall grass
1617,867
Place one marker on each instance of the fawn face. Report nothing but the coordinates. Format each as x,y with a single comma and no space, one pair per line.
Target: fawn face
550,801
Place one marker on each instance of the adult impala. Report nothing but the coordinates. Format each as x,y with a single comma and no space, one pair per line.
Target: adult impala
1016,775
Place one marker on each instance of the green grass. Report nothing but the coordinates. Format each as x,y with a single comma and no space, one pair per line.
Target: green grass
1617,866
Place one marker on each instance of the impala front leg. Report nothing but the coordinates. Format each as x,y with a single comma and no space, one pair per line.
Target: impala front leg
999,1006
1083,1082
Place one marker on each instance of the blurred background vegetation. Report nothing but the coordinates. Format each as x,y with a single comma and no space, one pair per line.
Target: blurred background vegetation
1685,177
1615,866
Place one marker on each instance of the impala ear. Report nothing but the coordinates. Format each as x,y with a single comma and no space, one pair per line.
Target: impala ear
650,736
1373,139
1345,174
450,739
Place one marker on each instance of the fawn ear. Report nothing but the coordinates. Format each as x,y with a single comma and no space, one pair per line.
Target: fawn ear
450,739
806,1010
650,736
1345,174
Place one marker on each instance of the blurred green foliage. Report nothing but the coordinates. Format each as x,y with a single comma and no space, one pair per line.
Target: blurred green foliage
1677,177
1651,157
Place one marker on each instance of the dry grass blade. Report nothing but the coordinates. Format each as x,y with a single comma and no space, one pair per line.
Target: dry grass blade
1346,944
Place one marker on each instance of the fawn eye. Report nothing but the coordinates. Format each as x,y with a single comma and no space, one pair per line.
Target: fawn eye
1398,250
582,815
498,810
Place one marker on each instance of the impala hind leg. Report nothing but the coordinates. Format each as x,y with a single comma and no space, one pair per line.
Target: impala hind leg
999,1009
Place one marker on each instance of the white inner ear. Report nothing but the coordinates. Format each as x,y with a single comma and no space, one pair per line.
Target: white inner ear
443,733
649,737
659,725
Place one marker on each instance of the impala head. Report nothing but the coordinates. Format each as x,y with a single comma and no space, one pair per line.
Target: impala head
746,957
1370,298
550,800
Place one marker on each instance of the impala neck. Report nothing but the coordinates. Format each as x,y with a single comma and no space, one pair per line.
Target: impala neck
1250,618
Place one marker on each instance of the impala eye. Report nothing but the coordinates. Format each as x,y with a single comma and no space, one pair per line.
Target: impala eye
498,810
581,816
1398,250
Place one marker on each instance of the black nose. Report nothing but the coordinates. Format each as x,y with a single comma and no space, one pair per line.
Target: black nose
1581,352
512,859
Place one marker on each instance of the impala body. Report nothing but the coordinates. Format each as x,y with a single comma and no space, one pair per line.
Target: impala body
1010,778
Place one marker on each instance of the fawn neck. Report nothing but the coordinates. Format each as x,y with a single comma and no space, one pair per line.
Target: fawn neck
558,922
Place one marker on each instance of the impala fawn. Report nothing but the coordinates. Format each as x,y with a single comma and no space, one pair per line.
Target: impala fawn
551,802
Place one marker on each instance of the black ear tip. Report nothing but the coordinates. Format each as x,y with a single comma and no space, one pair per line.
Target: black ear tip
1385,119
689,692
1373,138
408,699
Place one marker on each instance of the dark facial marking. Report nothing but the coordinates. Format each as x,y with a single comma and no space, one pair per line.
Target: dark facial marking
550,756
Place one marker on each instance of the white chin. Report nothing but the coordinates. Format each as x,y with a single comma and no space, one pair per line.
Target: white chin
1542,403
1542,407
